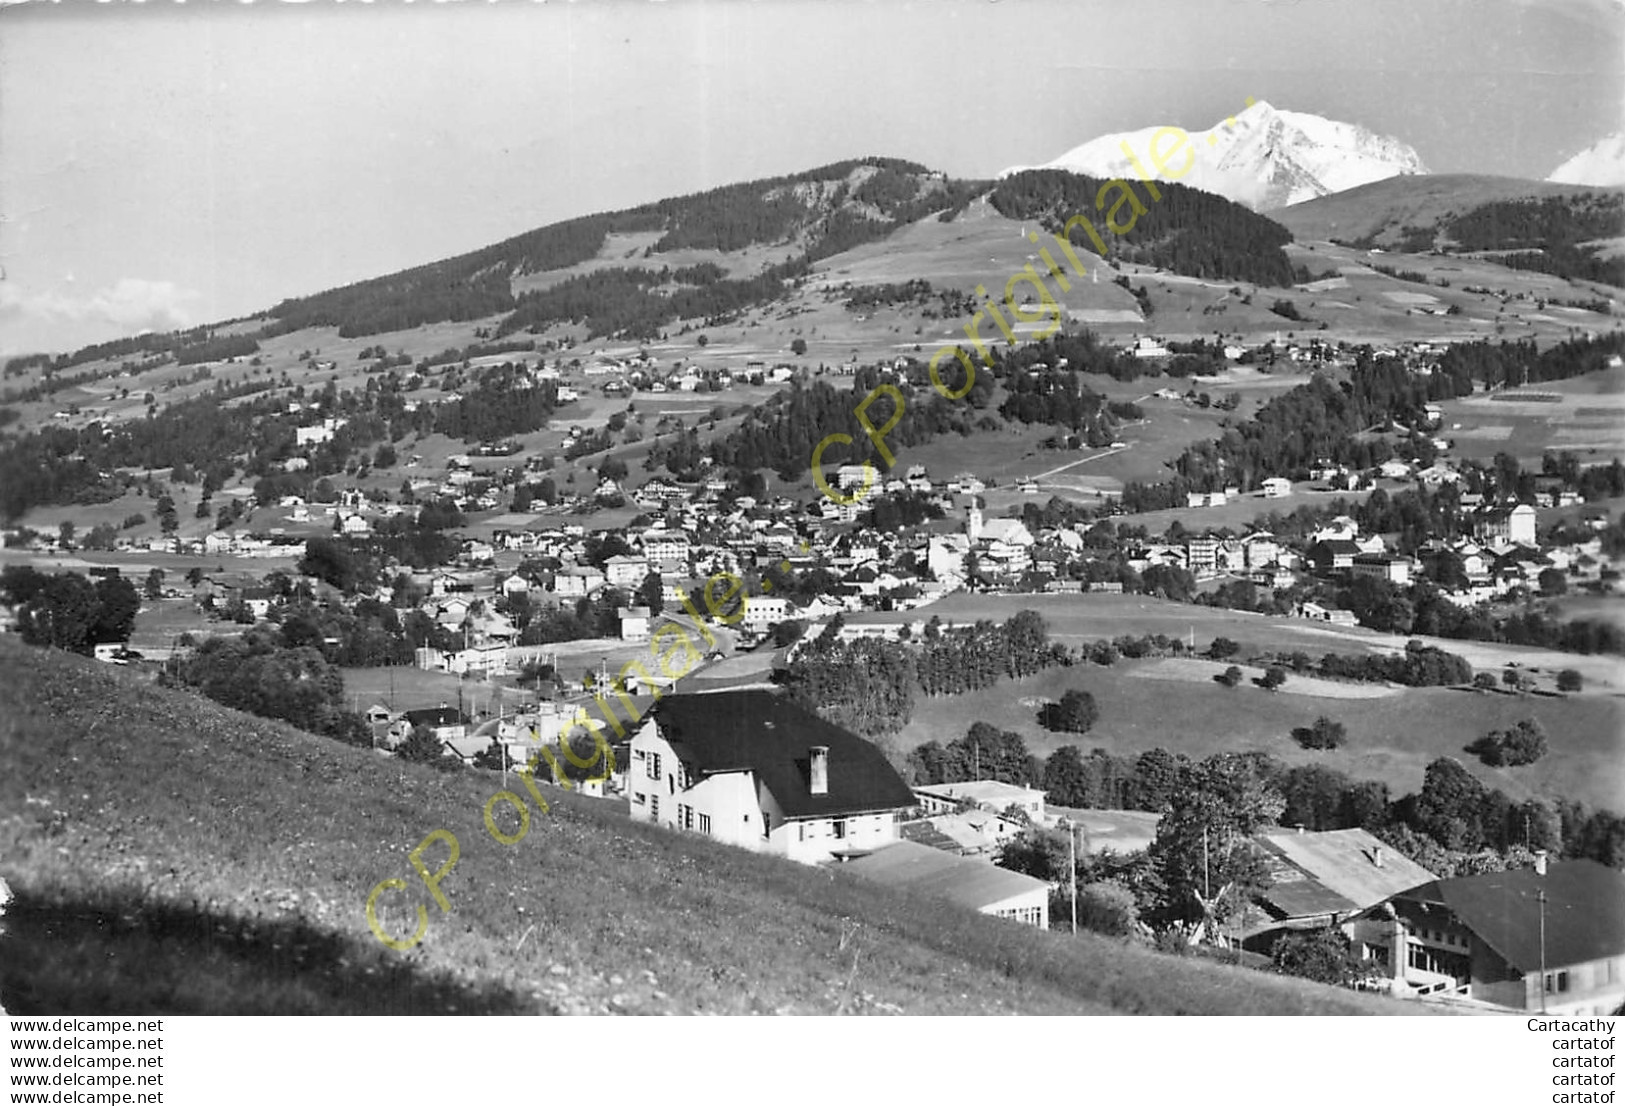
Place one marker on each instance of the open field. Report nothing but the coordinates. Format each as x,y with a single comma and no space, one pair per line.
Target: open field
1587,419
1074,619
171,856
1390,737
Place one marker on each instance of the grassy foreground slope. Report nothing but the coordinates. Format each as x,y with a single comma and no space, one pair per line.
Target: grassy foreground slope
173,856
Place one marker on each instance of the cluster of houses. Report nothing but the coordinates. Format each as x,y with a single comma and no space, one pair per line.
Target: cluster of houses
751,769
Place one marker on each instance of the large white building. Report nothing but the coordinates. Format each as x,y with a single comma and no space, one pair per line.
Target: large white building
1516,526
753,769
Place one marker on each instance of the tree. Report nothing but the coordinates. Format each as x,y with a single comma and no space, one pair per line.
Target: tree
1065,777
155,583
1553,582
1523,744
117,604
1075,713
1484,681
1323,734
1274,676
1205,862
1108,907
651,593
1323,955
64,534
1230,677
1570,680
421,746
1222,647
798,346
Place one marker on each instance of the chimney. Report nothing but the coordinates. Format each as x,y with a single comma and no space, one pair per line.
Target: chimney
1540,862
818,769
1376,856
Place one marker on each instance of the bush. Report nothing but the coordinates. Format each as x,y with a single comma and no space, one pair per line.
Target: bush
1230,677
1323,955
1273,677
1570,680
1324,734
1222,647
1523,744
1484,681
1107,907
1075,713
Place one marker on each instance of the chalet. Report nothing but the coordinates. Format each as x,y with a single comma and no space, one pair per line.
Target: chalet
1276,487
937,874
1549,938
1336,555
753,769
1515,525
1326,879
443,721
634,623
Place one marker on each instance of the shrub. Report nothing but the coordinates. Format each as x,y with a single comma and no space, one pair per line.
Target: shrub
1075,713
1324,734
1107,907
1323,955
1523,744
1570,680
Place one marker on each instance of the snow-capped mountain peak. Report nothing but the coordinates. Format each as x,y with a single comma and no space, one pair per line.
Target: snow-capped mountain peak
1264,158
1602,163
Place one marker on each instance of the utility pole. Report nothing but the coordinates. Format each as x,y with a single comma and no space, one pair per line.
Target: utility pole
1072,857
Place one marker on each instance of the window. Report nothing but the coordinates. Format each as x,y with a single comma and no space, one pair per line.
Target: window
685,816
1557,981
839,828
681,775
705,823
639,798
651,765
654,806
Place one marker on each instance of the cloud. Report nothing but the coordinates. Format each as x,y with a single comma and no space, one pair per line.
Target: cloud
131,305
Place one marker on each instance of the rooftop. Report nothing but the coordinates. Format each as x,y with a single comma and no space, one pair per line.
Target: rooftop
914,867
770,735
1585,911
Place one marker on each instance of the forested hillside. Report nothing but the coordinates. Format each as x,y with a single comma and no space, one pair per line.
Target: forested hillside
1190,232
1322,419
813,214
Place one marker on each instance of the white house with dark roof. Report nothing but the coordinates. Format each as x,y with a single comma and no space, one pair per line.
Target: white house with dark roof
753,769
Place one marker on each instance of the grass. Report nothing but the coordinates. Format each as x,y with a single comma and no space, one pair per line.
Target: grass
1390,738
170,855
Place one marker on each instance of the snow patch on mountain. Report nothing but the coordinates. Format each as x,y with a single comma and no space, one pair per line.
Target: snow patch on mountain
1602,163
1266,159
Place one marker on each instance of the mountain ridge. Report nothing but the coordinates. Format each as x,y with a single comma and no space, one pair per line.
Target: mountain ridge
1265,158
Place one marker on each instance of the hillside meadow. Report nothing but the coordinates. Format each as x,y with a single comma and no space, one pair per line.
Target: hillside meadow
172,856
1393,733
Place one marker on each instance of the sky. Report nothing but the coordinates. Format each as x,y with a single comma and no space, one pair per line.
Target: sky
165,165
